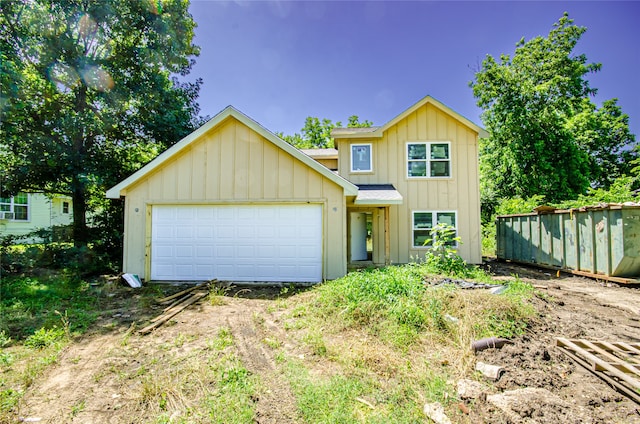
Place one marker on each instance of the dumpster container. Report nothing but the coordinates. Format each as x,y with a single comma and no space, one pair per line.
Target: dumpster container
599,240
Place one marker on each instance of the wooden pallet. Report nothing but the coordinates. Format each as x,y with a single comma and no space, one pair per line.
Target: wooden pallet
617,363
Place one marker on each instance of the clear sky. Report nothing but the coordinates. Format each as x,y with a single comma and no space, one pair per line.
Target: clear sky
282,61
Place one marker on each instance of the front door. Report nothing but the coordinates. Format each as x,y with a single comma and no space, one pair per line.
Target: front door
358,237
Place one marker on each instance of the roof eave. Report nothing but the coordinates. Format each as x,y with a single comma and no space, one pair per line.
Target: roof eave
374,202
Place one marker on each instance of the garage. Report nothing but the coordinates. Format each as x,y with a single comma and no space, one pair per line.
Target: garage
274,243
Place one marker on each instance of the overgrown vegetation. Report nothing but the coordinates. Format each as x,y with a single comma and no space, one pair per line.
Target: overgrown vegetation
620,191
41,314
395,339
377,344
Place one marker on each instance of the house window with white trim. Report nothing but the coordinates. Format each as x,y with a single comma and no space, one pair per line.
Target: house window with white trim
361,160
65,207
424,221
429,159
15,207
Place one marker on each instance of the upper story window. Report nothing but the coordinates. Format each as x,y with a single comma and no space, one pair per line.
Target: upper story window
15,207
361,160
429,159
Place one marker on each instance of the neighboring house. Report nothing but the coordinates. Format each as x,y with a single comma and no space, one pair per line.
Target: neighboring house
233,201
27,212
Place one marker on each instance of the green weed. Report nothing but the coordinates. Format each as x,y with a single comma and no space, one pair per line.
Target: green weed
223,339
315,342
217,295
45,337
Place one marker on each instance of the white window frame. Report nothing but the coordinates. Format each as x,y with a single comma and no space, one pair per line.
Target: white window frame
369,145
12,204
428,160
68,207
434,221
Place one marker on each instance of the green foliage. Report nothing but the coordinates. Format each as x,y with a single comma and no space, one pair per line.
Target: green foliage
230,400
515,205
45,337
223,339
76,261
5,340
546,137
9,399
30,303
604,134
316,133
507,314
395,304
90,94
324,400
316,343
442,257
619,191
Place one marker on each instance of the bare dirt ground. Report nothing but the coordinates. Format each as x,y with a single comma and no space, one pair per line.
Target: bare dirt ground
540,384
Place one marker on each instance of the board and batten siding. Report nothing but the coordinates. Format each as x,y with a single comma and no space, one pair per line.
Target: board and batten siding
458,193
232,164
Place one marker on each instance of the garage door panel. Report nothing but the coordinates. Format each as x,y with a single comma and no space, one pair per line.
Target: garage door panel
246,232
224,230
241,243
184,252
245,252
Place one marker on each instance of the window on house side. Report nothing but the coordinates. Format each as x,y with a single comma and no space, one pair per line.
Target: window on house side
429,160
18,205
65,207
361,158
423,221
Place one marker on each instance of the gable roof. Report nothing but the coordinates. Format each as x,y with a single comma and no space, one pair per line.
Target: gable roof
377,132
119,189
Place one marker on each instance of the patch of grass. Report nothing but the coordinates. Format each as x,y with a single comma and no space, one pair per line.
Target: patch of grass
324,400
41,314
45,337
30,303
223,339
272,342
9,399
315,342
351,398
230,401
217,295
78,407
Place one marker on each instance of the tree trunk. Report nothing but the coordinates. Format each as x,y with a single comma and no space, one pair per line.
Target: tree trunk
78,179
80,229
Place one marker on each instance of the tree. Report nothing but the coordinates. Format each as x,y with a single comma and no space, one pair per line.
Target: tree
316,133
604,134
536,106
90,93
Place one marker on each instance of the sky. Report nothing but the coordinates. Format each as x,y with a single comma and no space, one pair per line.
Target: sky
281,61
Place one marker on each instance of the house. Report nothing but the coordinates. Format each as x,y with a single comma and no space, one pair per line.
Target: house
27,212
233,201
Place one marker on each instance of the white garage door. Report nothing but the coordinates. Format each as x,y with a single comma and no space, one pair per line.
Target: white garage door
237,243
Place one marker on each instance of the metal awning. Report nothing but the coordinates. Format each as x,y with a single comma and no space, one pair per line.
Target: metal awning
377,194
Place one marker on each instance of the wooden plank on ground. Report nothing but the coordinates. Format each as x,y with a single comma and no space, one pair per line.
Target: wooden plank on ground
618,370
183,292
177,304
170,314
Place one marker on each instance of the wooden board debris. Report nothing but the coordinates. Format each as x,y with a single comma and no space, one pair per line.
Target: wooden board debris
617,363
183,292
179,302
